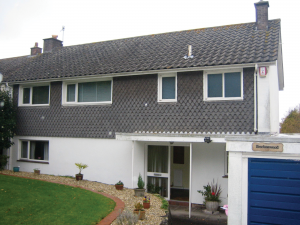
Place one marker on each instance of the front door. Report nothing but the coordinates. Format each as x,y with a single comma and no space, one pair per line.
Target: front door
158,171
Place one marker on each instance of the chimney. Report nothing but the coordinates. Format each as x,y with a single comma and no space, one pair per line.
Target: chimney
51,43
36,50
262,15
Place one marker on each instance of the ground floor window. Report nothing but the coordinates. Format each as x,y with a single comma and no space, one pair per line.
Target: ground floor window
35,150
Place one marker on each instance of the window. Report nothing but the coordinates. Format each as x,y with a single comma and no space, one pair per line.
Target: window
223,85
87,92
167,87
34,95
35,150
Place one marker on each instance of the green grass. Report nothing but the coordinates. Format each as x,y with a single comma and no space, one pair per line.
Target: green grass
26,201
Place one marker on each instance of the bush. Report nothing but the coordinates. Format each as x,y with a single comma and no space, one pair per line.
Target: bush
127,218
3,161
141,183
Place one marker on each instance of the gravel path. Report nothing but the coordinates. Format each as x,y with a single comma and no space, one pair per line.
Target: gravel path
153,215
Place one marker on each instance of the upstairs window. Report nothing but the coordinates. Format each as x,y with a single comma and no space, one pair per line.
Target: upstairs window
35,150
88,92
167,87
34,95
223,86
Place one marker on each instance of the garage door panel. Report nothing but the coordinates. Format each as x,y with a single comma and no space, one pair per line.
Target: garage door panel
274,197
272,220
275,189
275,181
275,205
277,174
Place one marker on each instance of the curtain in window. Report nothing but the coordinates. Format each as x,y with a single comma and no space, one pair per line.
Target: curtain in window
40,95
46,151
32,149
168,87
158,159
24,149
94,91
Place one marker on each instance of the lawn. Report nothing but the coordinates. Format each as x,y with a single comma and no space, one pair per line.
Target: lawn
27,201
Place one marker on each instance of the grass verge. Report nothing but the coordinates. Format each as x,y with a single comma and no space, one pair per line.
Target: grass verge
27,201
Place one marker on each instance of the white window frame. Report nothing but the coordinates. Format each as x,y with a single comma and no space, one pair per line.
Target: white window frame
21,88
76,82
159,89
28,150
205,84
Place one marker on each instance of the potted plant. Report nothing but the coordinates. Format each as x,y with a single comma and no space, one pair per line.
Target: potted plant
139,211
36,171
140,191
211,195
146,202
80,166
119,185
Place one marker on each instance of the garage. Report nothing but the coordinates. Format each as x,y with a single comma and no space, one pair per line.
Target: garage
273,191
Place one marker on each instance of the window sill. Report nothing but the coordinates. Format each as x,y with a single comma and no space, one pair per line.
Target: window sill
87,103
35,105
30,161
225,176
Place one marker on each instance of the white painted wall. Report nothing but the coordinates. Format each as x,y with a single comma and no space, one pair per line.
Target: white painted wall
109,160
268,101
138,163
208,163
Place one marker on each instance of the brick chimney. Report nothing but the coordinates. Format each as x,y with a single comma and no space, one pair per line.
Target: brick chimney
36,50
262,15
51,43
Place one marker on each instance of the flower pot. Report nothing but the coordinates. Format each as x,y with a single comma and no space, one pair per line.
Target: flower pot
79,176
119,186
212,206
141,214
16,169
37,172
146,205
139,192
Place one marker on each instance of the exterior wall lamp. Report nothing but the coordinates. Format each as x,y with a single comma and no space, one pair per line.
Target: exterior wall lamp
207,140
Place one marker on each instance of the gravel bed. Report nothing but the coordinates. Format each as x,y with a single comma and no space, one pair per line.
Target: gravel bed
153,214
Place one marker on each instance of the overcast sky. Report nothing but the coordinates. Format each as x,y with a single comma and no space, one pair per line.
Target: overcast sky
24,22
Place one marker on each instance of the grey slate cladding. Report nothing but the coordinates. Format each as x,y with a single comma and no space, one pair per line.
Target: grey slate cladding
128,112
225,45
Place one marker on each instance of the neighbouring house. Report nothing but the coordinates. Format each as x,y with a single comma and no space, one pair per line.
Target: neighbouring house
173,107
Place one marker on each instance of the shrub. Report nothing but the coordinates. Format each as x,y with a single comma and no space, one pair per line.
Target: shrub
127,218
141,183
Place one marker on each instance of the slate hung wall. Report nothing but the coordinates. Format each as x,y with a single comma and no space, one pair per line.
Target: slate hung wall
129,113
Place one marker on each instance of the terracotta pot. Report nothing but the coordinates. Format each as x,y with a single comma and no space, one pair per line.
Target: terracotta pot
141,214
37,172
212,206
146,205
119,186
139,192
79,176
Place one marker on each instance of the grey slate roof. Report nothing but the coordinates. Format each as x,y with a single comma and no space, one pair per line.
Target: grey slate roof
224,45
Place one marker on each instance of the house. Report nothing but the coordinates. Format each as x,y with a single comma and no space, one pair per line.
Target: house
173,107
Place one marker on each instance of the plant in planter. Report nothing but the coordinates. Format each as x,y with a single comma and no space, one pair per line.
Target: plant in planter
37,171
146,202
80,166
119,185
139,211
140,191
211,195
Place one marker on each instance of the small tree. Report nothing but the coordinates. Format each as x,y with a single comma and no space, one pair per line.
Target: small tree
7,121
291,123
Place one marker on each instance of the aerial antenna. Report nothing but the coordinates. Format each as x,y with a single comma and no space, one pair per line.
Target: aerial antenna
63,30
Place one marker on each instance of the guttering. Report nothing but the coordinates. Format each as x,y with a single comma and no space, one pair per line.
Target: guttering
255,98
147,72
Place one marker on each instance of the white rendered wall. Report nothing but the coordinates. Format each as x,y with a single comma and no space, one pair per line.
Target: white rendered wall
268,101
208,163
108,160
138,162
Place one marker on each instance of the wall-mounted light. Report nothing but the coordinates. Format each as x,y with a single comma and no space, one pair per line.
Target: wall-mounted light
207,140
171,143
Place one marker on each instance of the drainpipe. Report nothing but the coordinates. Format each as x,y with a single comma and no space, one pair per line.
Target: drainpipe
190,192
255,99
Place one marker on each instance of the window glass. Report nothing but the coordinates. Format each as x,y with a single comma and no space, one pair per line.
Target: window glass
158,159
24,149
233,84
71,93
26,95
168,87
214,85
40,95
94,91
39,150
